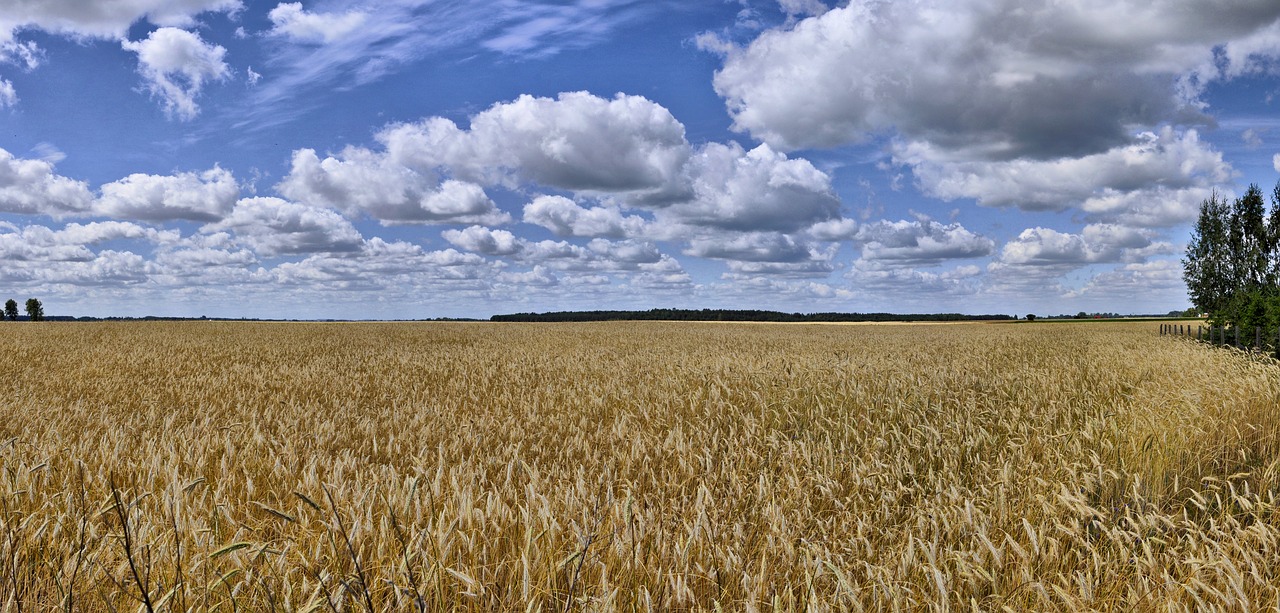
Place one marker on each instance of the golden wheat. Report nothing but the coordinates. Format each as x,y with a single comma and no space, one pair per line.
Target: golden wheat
636,466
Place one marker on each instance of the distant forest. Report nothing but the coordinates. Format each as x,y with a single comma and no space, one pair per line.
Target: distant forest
737,315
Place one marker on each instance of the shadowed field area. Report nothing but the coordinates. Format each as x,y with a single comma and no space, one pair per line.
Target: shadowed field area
625,466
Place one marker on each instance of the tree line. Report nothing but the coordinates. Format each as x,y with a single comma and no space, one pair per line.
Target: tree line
1232,265
744,315
35,310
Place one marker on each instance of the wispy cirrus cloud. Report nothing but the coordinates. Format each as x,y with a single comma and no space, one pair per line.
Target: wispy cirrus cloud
343,44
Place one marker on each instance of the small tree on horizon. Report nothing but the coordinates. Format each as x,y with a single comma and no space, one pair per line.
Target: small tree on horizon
34,309
11,309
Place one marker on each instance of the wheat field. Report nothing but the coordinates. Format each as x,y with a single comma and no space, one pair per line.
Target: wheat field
633,466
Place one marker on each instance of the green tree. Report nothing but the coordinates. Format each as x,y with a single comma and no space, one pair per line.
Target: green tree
11,309
1208,269
1031,317
34,309
1273,236
1249,241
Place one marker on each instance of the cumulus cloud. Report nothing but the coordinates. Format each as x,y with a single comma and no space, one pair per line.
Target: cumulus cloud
479,239
1156,170
908,288
834,229
626,153
1158,281
920,243
271,226
360,181
40,255
577,141
1002,79
176,64
1043,106
31,187
102,231
565,217
202,196
97,19
753,247
756,190
289,19
381,264
1097,243
803,7
597,256
211,257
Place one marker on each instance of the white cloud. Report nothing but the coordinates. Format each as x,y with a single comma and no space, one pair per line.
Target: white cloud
8,96
1251,138
38,255
479,239
203,196
834,229
176,64
1156,170
741,270
597,256
759,189
26,55
289,19
1097,243
920,243
577,141
1158,280
541,29
754,247
103,19
626,252
360,181
1275,162
907,289
565,217
803,7
397,34
271,226
103,231
626,152
1003,77
30,187
381,264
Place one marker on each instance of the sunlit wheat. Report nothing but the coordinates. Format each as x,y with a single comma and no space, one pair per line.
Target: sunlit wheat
637,466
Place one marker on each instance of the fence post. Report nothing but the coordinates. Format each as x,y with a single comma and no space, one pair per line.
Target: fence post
1237,336
1199,333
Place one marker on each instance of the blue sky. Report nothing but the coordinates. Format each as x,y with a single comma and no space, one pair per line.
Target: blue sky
428,158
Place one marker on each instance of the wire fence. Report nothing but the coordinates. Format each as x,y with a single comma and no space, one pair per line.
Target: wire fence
1258,339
